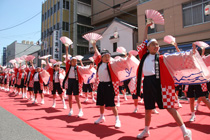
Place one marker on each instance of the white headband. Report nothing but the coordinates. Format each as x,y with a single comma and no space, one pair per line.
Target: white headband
152,40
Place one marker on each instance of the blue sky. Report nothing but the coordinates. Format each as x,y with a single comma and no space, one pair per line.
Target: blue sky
13,12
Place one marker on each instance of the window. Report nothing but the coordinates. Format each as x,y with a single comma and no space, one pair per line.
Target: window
115,47
85,1
158,28
82,50
65,26
143,1
54,8
63,48
58,5
193,12
67,5
83,20
64,4
58,26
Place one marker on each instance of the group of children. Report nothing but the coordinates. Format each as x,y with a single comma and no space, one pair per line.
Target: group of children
152,73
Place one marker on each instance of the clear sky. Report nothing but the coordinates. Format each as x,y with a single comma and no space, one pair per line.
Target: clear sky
14,12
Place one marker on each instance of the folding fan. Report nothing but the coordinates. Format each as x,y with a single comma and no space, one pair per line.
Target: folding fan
121,50
12,61
43,62
66,41
201,44
58,63
45,76
44,57
169,39
53,61
23,57
154,16
133,52
23,66
64,56
29,58
79,57
207,10
91,59
91,37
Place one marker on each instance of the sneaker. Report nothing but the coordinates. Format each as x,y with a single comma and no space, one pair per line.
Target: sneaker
143,134
135,111
80,113
118,105
117,124
154,111
188,136
141,101
35,102
86,100
179,105
64,106
192,119
94,101
42,102
100,120
53,106
70,113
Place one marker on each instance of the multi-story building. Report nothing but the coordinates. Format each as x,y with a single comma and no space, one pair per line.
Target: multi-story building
69,18
16,49
184,19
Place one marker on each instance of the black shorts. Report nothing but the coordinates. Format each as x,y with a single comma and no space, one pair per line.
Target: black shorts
57,87
87,88
195,91
152,92
121,88
135,96
73,86
105,94
37,88
22,84
30,89
208,86
178,88
5,81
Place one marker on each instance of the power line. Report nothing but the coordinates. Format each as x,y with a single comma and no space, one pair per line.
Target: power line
20,23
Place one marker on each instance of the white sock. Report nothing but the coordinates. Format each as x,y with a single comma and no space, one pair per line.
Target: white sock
118,98
193,113
146,128
53,101
136,107
102,115
117,117
63,100
184,129
80,109
178,101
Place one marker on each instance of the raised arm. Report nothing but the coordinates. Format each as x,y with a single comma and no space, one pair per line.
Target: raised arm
95,48
81,62
67,53
31,62
203,52
176,46
146,30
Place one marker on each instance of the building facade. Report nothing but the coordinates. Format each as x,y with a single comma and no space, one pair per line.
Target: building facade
69,18
184,19
16,49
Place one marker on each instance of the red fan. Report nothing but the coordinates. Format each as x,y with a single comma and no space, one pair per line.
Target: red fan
23,57
79,57
66,41
18,60
91,37
29,58
154,17
53,61
201,44
207,10
43,62
121,50
44,57
12,61
170,39
133,52
45,76
91,59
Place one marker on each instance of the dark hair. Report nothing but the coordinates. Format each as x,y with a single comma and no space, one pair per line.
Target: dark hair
104,52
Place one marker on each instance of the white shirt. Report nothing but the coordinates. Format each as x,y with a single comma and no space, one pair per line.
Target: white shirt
149,65
72,73
36,78
22,76
103,73
56,77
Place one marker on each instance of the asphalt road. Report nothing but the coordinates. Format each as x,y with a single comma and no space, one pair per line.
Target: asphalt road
12,128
